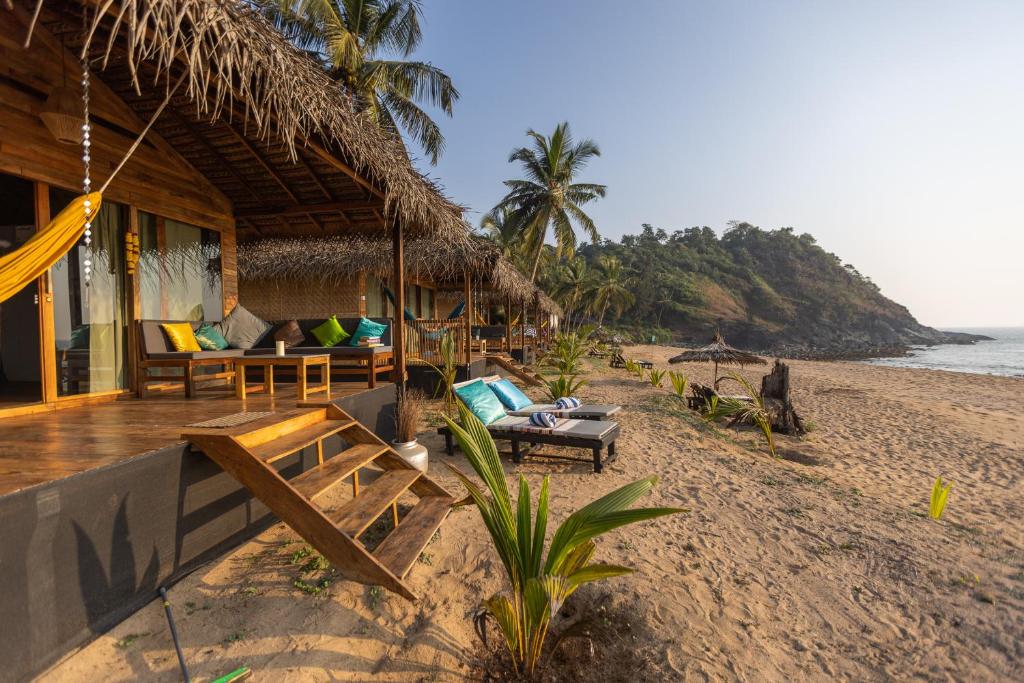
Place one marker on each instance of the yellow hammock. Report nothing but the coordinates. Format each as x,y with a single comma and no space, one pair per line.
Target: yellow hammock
46,247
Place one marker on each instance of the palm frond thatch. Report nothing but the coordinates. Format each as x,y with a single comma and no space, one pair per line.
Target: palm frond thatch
719,353
238,68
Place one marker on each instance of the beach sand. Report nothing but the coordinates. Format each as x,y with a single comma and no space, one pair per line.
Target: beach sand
821,565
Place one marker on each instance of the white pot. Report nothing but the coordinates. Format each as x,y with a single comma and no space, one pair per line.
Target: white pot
413,453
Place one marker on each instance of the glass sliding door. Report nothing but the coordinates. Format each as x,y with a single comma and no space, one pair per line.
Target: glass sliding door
20,357
90,321
179,271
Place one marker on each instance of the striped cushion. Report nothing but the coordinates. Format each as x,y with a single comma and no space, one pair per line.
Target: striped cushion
567,403
543,420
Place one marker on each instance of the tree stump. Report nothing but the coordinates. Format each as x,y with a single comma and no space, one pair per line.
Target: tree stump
775,392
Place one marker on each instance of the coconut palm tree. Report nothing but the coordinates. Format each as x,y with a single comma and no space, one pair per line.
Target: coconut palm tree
501,227
365,44
611,289
548,198
575,281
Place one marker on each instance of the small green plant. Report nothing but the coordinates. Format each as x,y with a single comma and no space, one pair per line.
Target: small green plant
752,410
563,386
940,496
376,595
539,585
631,366
568,349
679,383
447,371
126,642
656,376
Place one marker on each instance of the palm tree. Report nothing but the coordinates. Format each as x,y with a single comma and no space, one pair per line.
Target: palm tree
354,38
611,289
501,227
574,283
548,197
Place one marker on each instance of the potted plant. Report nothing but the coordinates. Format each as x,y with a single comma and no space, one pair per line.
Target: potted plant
408,423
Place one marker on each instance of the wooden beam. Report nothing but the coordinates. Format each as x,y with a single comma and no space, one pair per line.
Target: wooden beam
212,151
344,168
326,207
508,323
398,325
468,312
314,175
522,330
262,161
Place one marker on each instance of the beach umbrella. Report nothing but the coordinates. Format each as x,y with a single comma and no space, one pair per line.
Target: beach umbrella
718,352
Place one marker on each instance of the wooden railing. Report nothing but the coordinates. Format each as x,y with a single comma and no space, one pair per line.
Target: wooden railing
423,340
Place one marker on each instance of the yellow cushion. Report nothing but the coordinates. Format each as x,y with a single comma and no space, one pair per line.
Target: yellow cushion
182,337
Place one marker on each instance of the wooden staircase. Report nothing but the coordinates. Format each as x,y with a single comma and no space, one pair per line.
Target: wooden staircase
249,451
509,364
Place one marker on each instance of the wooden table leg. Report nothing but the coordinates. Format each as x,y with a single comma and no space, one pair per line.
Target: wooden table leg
240,381
268,379
371,373
300,380
327,378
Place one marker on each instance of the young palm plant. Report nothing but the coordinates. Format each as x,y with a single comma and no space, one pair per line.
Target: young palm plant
679,383
539,583
656,376
753,411
563,386
447,371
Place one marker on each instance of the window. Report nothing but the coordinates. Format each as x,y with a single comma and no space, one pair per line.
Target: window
90,322
179,270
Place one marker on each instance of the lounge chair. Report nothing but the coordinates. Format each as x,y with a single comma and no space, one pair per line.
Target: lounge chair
701,396
595,435
587,411
618,361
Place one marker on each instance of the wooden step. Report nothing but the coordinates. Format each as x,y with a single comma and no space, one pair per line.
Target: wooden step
355,516
399,551
290,442
312,483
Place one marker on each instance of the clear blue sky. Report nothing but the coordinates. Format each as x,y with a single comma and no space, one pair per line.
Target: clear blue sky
891,131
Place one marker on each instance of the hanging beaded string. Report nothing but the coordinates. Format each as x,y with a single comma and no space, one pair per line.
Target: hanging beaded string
86,182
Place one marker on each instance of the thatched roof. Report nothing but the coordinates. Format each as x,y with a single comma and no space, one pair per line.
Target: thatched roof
719,353
334,259
258,117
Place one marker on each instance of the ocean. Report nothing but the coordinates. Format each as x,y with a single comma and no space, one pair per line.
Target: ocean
1003,356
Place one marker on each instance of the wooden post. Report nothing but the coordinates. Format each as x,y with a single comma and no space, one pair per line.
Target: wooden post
468,312
508,324
361,294
47,335
134,311
398,325
536,322
522,329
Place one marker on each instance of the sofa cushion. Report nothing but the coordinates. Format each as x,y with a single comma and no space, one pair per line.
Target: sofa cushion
181,336
290,333
330,332
367,328
242,329
510,395
210,338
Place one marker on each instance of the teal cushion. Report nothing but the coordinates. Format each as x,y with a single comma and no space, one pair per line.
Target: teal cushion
367,328
210,338
329,332
510,395
481,401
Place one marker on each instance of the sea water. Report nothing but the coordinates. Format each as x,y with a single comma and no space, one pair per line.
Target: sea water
1002,356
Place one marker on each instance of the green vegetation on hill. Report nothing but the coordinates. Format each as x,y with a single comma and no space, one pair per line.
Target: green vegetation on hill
765,289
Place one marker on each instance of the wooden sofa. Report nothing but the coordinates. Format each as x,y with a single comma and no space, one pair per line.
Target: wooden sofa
345,360
156,353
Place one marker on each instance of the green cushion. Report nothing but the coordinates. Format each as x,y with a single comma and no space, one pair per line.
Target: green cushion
367,328
210,338
481,401
329,332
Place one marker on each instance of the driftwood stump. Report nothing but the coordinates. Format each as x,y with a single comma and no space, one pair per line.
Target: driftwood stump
775,392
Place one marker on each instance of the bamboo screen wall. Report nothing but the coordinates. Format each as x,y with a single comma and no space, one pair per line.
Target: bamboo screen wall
289,299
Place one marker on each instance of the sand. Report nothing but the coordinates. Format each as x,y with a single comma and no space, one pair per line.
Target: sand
822,565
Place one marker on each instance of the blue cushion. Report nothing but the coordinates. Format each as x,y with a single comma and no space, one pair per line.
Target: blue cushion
481,401
509,395
367,328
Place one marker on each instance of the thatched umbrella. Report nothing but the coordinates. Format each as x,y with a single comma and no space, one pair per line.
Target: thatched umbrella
718,352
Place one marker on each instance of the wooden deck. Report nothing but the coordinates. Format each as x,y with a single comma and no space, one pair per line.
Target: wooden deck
52,445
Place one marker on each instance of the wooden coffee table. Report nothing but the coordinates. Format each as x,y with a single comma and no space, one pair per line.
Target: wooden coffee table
268,362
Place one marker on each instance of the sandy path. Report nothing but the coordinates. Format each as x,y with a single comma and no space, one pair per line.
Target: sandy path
820,566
